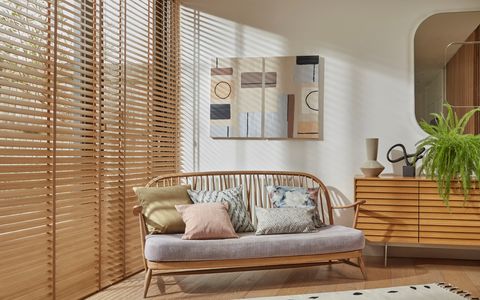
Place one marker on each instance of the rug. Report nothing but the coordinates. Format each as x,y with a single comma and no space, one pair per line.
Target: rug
437,291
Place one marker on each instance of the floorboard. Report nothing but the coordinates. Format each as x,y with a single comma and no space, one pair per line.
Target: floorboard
400,271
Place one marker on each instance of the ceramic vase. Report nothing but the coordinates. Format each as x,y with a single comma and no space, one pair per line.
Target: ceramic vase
372,168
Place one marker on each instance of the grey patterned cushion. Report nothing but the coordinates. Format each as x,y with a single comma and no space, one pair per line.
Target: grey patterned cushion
236,207
284,220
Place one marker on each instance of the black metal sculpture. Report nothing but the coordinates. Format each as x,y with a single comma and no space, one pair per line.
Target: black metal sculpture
409,168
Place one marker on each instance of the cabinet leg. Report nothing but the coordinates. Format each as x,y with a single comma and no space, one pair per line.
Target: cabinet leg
385,255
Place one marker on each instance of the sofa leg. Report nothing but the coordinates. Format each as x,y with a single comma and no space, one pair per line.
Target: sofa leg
361,264
146,284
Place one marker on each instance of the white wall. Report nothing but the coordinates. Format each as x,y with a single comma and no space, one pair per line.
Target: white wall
369,84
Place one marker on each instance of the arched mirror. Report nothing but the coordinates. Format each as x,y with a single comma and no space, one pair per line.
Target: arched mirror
447,65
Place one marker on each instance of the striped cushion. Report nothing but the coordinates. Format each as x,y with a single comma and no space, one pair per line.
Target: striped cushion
236,207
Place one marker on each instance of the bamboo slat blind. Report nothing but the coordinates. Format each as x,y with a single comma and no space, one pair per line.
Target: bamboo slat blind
88,109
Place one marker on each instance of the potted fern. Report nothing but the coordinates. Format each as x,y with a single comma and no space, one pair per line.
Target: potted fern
452,156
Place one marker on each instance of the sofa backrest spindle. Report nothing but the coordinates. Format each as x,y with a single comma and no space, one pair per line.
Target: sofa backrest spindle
254,186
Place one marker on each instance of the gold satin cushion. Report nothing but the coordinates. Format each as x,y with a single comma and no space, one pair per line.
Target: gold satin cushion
158,207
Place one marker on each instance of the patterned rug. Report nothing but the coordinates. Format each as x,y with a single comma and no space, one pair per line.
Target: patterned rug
436,291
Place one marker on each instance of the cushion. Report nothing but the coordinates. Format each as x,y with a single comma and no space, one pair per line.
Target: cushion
284,220
236,207
328,239
159,207
206,221
287,196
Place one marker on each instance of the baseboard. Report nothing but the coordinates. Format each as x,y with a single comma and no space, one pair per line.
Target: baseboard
424,251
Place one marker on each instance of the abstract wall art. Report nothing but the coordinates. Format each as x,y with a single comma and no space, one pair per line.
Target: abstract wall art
267,98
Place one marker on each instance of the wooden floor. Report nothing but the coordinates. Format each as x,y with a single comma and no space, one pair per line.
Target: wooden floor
401,271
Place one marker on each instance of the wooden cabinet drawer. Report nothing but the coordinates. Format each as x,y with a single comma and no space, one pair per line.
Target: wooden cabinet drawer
381,227
388,189
392,239
454,222
390,214
449,242
450,235
389,202
387,214
372,206
391,192
387,220
454,195
441,227
391,233
386,182
457,224
433,184
391,236
388,226
411,211
430,187
451,229
452,203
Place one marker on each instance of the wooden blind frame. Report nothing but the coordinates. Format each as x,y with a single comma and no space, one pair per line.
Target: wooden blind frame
89,93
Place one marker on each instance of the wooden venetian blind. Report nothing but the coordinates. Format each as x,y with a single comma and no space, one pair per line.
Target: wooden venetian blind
88,110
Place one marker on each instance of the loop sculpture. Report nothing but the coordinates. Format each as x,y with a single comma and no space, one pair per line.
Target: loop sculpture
410,159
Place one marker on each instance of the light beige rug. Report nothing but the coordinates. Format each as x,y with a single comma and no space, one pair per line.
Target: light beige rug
435,291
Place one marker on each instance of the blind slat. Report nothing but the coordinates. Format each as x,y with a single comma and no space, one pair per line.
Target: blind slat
88,109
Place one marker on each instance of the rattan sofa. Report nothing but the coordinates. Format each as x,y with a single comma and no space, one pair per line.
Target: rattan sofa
169,254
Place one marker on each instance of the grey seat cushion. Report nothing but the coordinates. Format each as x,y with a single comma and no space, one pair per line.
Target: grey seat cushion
329,239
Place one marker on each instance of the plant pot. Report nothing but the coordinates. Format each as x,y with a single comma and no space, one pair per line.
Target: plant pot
372,168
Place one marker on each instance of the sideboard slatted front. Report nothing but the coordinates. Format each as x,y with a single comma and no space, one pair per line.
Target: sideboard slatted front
458,224
410,210
390,214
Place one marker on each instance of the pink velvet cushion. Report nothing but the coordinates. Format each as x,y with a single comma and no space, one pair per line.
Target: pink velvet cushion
206,221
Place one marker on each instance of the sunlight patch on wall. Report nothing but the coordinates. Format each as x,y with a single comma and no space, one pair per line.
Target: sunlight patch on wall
205,37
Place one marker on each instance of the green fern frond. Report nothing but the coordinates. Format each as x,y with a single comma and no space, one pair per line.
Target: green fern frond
452,156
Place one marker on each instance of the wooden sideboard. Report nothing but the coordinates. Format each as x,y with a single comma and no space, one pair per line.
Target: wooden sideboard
410,211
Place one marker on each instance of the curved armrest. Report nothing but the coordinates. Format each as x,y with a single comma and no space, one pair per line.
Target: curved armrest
356,206
358,203
137,209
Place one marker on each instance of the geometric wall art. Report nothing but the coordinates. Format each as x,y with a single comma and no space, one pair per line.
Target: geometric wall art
267,97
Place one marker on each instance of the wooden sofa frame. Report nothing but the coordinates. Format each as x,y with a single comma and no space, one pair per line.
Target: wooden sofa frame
254,183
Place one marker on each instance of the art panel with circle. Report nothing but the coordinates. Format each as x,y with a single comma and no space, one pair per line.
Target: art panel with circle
267,97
